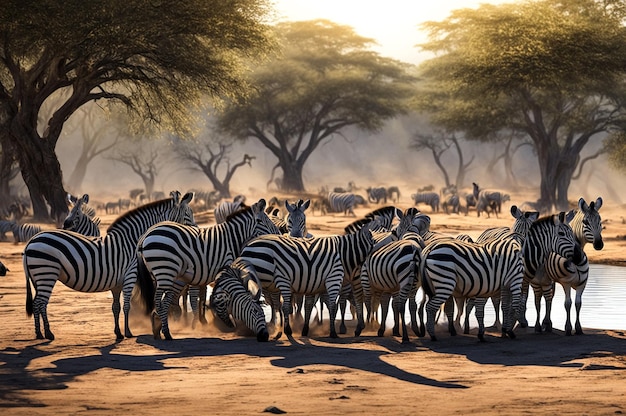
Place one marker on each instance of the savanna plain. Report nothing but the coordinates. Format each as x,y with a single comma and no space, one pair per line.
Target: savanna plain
207,371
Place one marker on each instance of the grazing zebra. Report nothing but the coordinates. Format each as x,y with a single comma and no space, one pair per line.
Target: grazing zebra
375,195
488,199
231,297
287,266
469,270
391,270
453,202
546,235
225,208
90,264
393,193
342,202
79,221
5,227
429,198
172,255
587,224
24,232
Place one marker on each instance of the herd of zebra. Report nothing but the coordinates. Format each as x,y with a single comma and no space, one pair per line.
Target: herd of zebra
254,255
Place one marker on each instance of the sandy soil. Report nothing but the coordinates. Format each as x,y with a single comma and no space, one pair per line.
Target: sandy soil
84,370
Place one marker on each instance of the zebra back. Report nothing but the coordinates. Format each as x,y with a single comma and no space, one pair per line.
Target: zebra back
342,202
24,232
587,223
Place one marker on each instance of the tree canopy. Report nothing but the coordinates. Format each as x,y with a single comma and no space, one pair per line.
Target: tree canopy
553,70
156,58
324,80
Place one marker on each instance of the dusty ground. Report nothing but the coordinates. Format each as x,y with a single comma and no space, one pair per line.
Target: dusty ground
209,372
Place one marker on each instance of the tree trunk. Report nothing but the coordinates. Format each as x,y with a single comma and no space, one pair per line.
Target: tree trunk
75,181
292,177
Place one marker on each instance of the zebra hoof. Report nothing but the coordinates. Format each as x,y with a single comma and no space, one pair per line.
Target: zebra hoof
39,335
49,335
343,329
511,334
263,336
277,337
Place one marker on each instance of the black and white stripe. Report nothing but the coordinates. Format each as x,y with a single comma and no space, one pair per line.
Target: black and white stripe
89,264
587,224
296,219
343,202
429,198
24,232
172,255
231,297
79,221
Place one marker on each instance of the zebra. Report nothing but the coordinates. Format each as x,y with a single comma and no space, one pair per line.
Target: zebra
342,202
393,193
587,224
296,220
225,208
172,255
286,265
453,202
486,199
391,270
375,195
88,210
89,264
546,235
462,269
230,297
5,227
429,198
24,232
79,221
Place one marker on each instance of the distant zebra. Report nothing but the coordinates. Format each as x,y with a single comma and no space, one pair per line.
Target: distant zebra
225,208
587,224
24,232
391,270
287,266
375,195
487,199
393,193
429,198
5,227
546,235
79,221
452,202
231,296
90,264
470,270
172,255
342,202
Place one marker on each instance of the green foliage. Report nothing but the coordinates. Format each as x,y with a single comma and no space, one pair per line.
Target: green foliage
615,146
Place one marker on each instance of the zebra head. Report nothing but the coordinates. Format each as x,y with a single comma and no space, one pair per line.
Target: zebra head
264,225
592,223
78,221
554,234
523,220
296,221
236,295
180,211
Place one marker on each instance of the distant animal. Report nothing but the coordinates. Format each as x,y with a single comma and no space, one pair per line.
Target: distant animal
342,202
429,198
393,193
24,232
376,195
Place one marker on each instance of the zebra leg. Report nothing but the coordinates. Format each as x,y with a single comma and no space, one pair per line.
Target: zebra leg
343,303
460,305
286,294
480,317
507,313
548,294
495,300
167,301
116,307
384,307
202,304
432,307
449,311
357,294
523,322
309,303
422,330
579,304
413,309
129,283
399,303
537,308
468,309
40,309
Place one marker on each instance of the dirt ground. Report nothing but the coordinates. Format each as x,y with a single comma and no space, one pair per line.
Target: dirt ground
205,371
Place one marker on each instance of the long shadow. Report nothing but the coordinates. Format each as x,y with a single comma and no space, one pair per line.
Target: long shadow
541,349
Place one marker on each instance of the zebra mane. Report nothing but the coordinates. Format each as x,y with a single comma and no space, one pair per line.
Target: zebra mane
382,211
136,211
240,212
548,219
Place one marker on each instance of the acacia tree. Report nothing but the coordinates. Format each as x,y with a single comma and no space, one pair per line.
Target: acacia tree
157,59
553,70
324,81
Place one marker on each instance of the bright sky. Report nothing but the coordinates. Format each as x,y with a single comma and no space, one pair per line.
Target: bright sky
393,23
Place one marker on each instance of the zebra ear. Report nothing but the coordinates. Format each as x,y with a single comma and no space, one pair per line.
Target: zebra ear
568,217
290,207
306,204
516,212
582,205
85,199
187,197
598,203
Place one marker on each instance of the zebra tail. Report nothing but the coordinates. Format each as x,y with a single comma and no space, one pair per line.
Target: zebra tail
146,284
426,286
29,294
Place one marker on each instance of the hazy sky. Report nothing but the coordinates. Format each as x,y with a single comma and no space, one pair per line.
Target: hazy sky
393,23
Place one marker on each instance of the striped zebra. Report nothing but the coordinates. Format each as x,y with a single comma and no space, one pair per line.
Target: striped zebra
487,199
5,227
470,270
296,220
225,208
172,255
551,234
24,232
375,195
88,210
231,297
343,202
429,198
89,264
79,221
391,271
311,266
587,224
